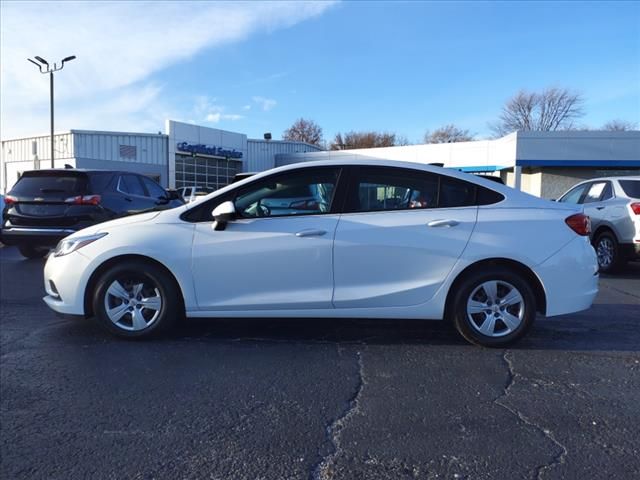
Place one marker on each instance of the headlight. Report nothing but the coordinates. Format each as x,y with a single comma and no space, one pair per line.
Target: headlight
68,245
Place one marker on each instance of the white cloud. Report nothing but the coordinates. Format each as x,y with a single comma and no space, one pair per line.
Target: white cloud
120,46
265,103
246,107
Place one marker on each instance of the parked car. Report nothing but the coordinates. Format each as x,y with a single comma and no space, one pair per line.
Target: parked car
482,255
613,204
190,194
45,206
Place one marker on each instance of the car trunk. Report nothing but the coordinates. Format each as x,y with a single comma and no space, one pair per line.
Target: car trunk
44,197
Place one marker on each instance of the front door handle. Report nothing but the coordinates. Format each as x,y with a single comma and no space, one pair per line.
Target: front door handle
599,208
442,223
310,233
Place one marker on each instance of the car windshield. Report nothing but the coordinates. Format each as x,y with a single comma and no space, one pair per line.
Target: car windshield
631,188
55,184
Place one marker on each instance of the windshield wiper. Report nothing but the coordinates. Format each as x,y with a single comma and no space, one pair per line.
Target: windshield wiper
52,190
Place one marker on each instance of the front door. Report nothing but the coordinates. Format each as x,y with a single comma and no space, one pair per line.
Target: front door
277,254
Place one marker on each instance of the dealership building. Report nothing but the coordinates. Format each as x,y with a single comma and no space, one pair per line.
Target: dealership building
544,164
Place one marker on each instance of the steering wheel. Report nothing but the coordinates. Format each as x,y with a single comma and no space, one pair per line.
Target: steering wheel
262,210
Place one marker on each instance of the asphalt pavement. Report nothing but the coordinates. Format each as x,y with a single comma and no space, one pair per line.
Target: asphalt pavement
315,398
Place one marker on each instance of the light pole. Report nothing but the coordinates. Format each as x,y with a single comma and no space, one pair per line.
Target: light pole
44,67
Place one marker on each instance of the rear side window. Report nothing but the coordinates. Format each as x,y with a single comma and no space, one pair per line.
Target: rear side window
595,193
574,195
379,190
456,193
130,184
37,185
155,190
631,188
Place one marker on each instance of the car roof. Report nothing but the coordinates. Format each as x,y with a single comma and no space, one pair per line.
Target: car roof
79,170
618,177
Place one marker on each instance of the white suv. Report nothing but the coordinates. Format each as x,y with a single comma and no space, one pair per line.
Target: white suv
613,204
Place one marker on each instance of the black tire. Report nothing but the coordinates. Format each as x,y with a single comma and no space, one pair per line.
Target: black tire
468,325
607,249
156,282
32,251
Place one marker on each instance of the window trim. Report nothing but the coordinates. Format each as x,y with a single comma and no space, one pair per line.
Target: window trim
352,187
337,199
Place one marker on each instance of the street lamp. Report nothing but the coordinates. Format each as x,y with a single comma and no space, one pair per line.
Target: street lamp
44,67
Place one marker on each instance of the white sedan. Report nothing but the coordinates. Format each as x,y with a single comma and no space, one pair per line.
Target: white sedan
370,239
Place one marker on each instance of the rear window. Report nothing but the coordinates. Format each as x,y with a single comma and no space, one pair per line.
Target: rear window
631,188
37,185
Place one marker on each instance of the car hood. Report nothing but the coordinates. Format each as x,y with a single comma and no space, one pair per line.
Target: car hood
119,222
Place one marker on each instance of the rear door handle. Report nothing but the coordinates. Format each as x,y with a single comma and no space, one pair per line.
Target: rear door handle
599,208
442,223
310,233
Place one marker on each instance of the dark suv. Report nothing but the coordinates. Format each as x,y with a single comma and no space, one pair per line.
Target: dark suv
45,206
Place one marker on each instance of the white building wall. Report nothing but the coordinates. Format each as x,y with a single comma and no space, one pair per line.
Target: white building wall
146,148
262,153
481,155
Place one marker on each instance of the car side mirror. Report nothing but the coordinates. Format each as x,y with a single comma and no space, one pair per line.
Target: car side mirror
223,214
173,195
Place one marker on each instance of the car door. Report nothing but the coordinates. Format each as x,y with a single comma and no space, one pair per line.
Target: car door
270,259
401,234
597,197
133,196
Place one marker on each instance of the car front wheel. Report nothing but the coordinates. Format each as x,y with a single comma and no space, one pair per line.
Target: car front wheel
493,308
136,299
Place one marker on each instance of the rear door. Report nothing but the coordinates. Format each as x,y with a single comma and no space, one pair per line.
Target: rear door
401,234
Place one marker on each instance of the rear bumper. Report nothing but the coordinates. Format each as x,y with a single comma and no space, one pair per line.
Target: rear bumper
34,235
570,278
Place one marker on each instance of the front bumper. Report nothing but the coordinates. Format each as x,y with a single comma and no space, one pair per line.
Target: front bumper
65,281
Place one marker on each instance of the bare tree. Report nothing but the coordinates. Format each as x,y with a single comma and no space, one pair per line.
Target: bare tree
303,130
619,126
352,140
550,110
448,134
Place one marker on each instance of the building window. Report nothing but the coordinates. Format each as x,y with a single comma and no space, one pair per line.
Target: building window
207,172
128,151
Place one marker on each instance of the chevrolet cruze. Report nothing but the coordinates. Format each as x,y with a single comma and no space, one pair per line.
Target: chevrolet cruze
371,238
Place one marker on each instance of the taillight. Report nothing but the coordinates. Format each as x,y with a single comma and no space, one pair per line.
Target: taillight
10,200
579,223
635,207
84,200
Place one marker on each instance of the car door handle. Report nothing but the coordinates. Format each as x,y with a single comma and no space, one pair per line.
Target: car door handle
442,223
310,233
128,199
599,208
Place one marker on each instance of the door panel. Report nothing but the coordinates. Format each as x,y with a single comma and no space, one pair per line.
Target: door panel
393,258
265,263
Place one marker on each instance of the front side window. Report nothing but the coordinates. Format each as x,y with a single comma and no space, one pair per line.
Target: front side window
300,193
573,196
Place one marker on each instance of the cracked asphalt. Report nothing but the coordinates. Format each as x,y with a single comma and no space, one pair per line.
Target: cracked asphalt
317,399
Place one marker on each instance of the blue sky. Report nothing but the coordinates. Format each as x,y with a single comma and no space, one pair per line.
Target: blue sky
256,67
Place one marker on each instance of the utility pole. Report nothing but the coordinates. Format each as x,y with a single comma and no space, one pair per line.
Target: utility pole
44,67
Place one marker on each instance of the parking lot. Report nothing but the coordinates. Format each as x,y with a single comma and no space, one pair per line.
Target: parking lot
317,399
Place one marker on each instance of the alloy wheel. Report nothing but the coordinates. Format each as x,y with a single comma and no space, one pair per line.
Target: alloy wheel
132,304
495,308
605,252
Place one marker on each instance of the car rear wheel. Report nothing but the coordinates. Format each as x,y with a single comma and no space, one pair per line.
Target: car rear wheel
136,300
608,252
493,308
32,251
